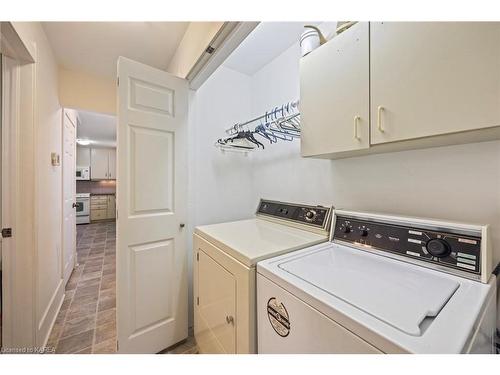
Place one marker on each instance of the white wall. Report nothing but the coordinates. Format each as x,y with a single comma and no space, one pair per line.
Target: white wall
223,181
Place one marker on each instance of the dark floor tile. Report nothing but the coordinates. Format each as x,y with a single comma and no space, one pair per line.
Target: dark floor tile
105,347
81,310
78,325
105,332
94,281
83,291
106,303
73,344
107,316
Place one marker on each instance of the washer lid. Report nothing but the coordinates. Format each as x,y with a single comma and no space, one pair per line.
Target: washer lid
388,290
252,240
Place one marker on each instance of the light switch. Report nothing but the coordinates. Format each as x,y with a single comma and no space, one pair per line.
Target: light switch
55,158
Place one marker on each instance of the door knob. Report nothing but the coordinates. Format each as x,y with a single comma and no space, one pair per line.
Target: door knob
74,205
229,319
182,225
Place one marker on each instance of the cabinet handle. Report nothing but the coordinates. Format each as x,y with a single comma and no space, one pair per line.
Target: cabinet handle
229,319
356,119
379,118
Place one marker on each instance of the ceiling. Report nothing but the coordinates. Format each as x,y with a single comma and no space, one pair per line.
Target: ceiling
94,47
266,42
98,128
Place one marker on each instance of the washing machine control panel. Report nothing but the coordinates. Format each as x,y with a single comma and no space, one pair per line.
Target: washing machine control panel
314,216
442,247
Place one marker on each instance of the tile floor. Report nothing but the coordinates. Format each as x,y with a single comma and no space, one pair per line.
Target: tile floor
87,320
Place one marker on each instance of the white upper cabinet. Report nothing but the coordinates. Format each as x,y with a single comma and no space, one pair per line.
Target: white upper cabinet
103,164
433,78
334,94
391,86
82,156
112,164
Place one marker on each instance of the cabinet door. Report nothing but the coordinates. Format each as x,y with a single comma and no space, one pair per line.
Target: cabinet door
82,156
111,207
431,78
217,301
99,163
334,94
112,164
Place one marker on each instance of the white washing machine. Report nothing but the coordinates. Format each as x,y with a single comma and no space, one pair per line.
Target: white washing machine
224,273
383,284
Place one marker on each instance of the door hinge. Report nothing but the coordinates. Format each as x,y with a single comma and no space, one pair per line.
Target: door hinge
198,257
6,232
117,345
198,301
117,81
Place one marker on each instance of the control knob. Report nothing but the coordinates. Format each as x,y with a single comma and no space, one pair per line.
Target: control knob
438,247
310,215
363,232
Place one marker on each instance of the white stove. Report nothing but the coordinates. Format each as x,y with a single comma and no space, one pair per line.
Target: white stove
82,208
384,284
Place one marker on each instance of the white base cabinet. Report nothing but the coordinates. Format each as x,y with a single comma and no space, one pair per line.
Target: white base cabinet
224,301
430,84
102,207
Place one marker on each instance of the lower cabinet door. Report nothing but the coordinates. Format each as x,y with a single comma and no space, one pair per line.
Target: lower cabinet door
216,307
111,207
99,214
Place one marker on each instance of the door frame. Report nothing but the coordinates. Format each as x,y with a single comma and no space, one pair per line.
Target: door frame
10,92
19,331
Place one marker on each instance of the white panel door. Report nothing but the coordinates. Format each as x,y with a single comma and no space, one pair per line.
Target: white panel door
69,194
334,94
431,78
99,163
152,273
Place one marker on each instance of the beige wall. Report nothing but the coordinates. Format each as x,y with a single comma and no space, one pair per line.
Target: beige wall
85,91
45,128
196,39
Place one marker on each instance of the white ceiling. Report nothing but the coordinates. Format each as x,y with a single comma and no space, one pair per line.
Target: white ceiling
98,128
94,47
266,42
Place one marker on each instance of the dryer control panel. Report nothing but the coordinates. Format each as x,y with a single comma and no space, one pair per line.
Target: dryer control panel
449,248
311,216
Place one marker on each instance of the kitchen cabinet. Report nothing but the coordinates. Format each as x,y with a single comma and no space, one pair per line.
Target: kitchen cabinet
111,208
430,84
112,164
102,207
433,78
103,164
82,156
334,94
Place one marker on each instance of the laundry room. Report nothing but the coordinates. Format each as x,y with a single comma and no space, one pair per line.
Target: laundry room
308,185
260,77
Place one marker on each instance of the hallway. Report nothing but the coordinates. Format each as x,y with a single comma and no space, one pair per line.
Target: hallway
87,320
